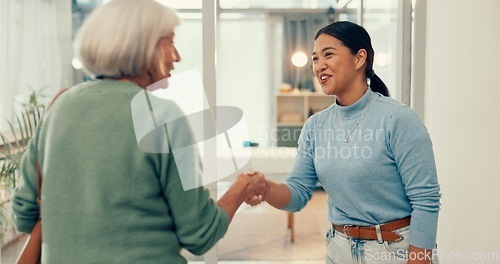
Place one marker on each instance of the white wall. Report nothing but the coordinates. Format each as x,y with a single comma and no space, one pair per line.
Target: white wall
462,112
243,73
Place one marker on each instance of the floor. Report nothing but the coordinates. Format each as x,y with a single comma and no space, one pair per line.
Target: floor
11,251
259,235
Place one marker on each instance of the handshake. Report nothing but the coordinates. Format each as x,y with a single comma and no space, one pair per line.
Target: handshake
251,187
254,186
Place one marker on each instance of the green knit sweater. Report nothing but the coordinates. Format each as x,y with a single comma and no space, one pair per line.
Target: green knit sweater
104,200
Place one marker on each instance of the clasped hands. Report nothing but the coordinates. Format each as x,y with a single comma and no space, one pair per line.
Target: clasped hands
254,186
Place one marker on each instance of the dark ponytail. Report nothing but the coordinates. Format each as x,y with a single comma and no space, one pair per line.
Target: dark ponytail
378,85
355,38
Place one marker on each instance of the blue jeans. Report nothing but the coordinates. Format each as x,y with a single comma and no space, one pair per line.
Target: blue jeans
342,249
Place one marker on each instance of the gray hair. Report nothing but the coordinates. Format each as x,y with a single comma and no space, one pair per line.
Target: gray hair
119,38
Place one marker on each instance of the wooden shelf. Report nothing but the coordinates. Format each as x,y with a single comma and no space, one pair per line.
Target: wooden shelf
301,104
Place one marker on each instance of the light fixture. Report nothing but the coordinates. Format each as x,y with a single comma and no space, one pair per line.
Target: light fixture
77,64
299,60
381,59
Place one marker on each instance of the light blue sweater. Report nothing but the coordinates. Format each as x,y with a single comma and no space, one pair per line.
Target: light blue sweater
386,170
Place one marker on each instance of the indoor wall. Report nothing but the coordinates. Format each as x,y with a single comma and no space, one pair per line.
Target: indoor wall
462,116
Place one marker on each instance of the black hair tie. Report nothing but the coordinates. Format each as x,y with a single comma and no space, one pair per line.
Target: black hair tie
370,74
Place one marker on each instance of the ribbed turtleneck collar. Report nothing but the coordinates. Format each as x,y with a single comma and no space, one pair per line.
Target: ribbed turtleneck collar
358,107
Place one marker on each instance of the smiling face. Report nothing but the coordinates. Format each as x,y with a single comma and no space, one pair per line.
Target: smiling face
335,67
165,56
169,55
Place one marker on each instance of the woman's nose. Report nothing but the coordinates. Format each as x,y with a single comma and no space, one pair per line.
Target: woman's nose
177,56
319,66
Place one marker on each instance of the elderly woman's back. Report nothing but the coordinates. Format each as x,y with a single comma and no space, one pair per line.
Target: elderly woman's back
103,198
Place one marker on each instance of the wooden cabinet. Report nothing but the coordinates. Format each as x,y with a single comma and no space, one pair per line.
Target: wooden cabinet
292,110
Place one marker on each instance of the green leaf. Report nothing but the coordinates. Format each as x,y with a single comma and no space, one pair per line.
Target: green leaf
30,122
12,152
26,128
7,145
23,136
13,132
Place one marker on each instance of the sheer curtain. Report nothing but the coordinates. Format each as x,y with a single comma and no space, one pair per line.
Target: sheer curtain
299,30
31,51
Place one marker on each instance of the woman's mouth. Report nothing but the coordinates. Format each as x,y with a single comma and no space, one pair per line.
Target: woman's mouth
323,78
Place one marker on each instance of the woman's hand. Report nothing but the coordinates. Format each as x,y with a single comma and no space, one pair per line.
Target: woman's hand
246,185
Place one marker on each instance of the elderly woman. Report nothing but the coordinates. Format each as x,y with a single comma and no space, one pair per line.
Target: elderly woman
104,200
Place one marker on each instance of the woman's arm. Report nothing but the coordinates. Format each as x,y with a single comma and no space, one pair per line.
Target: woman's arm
411,146
24,206
297,190
279,195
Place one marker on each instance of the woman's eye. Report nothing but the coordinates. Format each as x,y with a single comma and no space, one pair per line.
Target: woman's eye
314,58
328,54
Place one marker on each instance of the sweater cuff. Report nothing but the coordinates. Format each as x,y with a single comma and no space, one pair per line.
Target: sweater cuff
224,221
295,203
423,229
24,226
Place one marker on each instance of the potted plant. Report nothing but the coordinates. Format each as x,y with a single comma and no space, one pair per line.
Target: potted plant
12,146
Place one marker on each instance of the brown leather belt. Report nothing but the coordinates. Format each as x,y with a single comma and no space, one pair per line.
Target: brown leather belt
370,232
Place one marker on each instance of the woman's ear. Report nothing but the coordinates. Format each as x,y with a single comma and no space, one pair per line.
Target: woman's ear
360,59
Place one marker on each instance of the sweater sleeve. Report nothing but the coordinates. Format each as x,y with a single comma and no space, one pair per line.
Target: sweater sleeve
412,150
199,222
24,206
302,179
